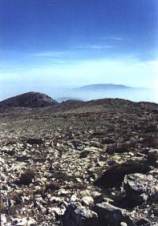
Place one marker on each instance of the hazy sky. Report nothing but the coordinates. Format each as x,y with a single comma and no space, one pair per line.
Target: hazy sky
47,43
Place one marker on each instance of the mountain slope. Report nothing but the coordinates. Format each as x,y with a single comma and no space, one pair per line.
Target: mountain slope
97,158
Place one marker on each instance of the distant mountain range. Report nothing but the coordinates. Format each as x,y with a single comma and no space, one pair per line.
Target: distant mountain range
74,97
40,100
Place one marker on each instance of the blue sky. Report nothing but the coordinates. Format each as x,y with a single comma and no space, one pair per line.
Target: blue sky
52,43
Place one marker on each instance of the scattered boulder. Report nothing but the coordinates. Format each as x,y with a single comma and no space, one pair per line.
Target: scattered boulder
36,141
153,156
151,141
114,176
111,216
79,216
87,200
118,148
107,140
84,154
26,178
140,188
143,222
52,186
22,158
103,214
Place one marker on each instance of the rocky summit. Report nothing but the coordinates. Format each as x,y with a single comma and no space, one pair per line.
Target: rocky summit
79,163
30,99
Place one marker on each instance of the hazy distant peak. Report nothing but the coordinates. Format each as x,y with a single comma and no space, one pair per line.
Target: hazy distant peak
103,86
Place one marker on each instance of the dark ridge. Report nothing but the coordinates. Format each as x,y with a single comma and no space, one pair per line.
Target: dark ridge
111,101
30,99
39,100
72,103
149,106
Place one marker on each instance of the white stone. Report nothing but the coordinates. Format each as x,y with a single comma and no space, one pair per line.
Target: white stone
73,198
96,194
123,224
3,219
87,200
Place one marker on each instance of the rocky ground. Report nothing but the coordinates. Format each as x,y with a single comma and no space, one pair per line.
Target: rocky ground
80,164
